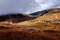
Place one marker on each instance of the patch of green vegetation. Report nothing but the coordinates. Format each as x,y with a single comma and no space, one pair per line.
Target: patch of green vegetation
46,21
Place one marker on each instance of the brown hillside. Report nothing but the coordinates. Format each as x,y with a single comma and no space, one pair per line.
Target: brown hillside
50,20
26,27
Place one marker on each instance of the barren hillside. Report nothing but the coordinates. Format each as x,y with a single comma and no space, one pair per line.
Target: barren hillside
48,21
24,27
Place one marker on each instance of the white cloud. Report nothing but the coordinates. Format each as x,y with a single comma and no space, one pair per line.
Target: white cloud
26,6
45,4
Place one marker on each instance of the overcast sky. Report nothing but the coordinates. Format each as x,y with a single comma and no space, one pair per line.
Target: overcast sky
26,6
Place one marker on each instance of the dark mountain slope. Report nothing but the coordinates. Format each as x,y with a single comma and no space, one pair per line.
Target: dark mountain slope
39,13
15,17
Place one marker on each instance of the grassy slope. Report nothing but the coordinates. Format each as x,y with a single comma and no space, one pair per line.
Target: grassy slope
52,15
15,32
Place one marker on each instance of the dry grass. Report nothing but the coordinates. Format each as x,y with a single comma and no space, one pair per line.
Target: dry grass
24,34
28,30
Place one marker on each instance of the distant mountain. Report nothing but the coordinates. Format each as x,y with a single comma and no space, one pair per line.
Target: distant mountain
17,17
39,13
52,15
48,21
24,19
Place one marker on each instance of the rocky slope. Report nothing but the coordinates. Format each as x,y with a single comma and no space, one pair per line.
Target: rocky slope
41,27
49,20
39,13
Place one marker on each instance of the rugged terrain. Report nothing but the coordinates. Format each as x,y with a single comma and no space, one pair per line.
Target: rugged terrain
45,26
50,20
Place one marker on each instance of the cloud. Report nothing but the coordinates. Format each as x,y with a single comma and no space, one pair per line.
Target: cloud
45,4
26,6
20,6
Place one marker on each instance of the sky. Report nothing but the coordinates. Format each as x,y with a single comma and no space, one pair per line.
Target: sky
26,6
